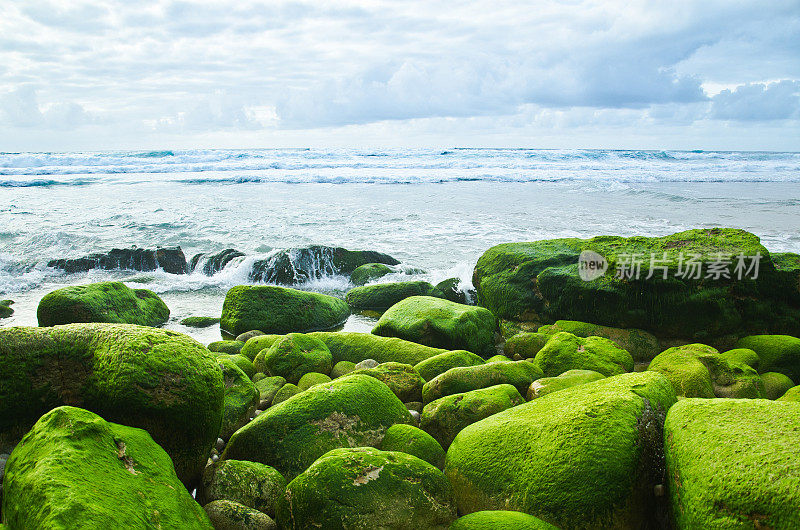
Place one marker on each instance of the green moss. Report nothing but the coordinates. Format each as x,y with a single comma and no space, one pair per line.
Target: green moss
229,515
445,417
228,347
285,392
369,272
382,296
565,351
357,347
585,457
155,379
499,358
312,378
279,310
775,384
354,410
733,463
451,289
200,322
548,385
251,484
76,469
107,302
681,365
793,394
342,368
296,354
366,488
256,345
5,308
526,345
401,379
413,441
241,397
776,353
244,364
519,374
440,324
642,346
268,387
496,519
732,379
742,355
439,364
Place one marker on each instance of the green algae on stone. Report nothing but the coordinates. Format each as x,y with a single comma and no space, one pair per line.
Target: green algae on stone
256,345
368,272
548,385
74,469
228,347
500,519
252,484
775,384
565,351
241,397
793,394
776,353
382,296
642,346
733,463
199,322
526,345
106,302
312,378
439,364
742,355
519,374
296,354
230,515
440,324
445,417
414,441
268,387
402,379
5,308
285,392
342,368
354,410
365,488
357,347
499,358
273,309
585,457
244,363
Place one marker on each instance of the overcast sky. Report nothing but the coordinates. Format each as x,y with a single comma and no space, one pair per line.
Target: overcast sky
101,74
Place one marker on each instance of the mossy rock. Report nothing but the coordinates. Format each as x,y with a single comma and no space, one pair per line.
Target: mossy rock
439,364
357,347
247,335
354,410
565,351
342,368
440,324
526,345
500,519
230,515
241,397
775,384
75,468
154,379
252,484
365,488
401,379
369,272
312,378
199,322
297,354
642,346
280,310
285,392
733,463
742,355
106,302
414,441
445,417
732,379
776,353
585,457
257,344
793,394
244,363
228,347
548,385
382,296
519,374
499,358
268,387
450,289
6,309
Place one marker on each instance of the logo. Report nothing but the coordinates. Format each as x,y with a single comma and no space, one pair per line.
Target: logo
591,265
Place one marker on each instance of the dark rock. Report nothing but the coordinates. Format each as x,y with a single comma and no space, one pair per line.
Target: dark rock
170,259
214,262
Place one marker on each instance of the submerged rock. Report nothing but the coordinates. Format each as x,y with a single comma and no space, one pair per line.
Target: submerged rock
368,272
382,296
199,322
170,259
451,289
214,263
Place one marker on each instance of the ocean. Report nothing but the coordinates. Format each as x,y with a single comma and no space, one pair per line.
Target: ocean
434,210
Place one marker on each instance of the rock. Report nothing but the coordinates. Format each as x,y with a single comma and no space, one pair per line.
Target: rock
244,364
414,417
414,406
241,397
526,344
268,387
342,368
228,347
440,324
356,347
775,384
776,353
285,392
540,281
733,463
382,296
413,441
793,394
742,355
220,445
255,345
366,364
642,346
213,263
229,515
519,374
365,488
75,467
297,354
312,378
496,519
247,335
199,322
565,351
585,457
280,310
445,417
107,302
354,410
170,259
155,379
5,308
499,358
450,289
251,484
369,272
439,364
548,385
401,379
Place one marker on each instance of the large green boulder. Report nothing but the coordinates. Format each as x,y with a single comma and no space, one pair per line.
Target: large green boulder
776,353
642,346
154,379
733,463
108,302
402,379
268,387
565,351
525,344
742,355
285,392
548,385
245,364
500,519
588,456
354,410
775,384
230,515
369,272
793,394
74,469
541,281
445,417
357,347
382,296
519,374
279,310
440,324
296,354
257,344
241,397
252,484
228,347
439,364
414,441
312,378
365,488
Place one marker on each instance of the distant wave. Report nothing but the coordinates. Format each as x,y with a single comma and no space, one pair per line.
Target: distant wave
43,183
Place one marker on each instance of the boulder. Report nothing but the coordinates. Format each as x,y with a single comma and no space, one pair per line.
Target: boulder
5,308
107,302
742,355
401,379
548,385
252,484
285,392
247,335
199,322
241,397
519,374
255,345
776,353
368,272
297,354
500,519
439,364
312,378
230,515
213,263
451,290
268,387
170,259
298,265
440,324
642,346
565,351
357,347
382,296
793,394
244,363
525,344
414,441
279,310
342,368
775,384
227,347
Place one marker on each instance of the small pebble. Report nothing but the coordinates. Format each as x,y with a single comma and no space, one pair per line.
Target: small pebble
258,413
366,364
214,458
220,445
414,416
263,404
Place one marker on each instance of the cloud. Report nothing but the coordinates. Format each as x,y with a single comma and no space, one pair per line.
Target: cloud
20,108
758,101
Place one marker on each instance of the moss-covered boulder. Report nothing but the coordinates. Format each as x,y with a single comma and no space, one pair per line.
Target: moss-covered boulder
241,397
154,379
279,310
312,378
369,272
228,347
247,335
439,364
382,296
642,346
414,441
733,463
230,515
776,353
775,384
252,484
354,410
402,379
107,302
499,358
548,385
793,394
268,387
742,355
296,354
519,374
73,468
199,322
565,351
451,290
500,519
256,345
244,364
357,347
5,308
440,324
585,457
525,344
445,417
342,368
365,488
285,392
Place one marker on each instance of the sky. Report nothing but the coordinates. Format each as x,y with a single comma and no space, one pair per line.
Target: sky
685,74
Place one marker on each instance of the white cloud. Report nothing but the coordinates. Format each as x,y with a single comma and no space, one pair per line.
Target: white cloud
758,101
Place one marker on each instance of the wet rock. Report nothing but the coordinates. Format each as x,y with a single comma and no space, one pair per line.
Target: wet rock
169,259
